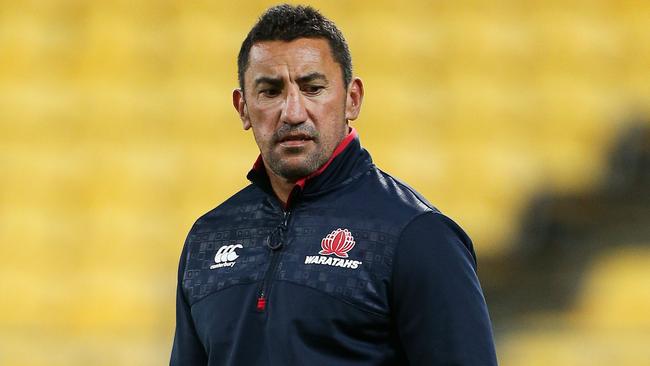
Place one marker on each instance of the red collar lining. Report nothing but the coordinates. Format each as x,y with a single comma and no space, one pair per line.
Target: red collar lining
259,163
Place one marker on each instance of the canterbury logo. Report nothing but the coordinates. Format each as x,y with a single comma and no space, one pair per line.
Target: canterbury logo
339,242
226,256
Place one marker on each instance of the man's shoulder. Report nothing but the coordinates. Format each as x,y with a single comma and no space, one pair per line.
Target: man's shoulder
421,218
237,206
399,195
380,200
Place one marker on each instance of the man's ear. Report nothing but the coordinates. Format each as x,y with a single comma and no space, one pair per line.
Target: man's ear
239,103
354,99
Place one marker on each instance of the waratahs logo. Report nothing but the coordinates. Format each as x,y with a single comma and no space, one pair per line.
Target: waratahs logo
339,242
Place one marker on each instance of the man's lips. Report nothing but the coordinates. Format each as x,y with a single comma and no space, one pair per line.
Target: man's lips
295,137
294,140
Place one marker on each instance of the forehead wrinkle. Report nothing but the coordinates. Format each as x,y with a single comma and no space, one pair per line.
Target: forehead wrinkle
265,51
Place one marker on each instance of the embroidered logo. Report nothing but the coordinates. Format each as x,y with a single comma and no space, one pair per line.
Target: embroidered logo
339,242
226,256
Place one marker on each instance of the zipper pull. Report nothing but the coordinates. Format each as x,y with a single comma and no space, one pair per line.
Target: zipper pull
277,237
261,302
286,219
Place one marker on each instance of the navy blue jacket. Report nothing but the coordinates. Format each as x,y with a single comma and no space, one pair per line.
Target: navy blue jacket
357,269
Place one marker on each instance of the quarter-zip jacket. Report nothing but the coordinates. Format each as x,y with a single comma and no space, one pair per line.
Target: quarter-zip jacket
356,269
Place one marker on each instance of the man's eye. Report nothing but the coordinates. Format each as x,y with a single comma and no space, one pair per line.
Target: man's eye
270,92
313,89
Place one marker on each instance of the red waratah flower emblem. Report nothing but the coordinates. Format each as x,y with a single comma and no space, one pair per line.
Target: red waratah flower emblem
338,242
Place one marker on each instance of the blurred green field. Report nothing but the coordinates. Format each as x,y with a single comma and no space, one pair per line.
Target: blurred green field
117,132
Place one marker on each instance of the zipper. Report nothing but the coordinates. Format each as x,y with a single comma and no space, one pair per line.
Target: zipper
275,241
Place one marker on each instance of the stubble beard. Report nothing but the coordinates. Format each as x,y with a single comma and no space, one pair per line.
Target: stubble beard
311,162
293,172
278,162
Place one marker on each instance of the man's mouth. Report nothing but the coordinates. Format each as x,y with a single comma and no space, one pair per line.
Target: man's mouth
292,140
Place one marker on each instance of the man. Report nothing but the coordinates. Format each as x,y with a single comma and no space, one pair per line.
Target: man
324,259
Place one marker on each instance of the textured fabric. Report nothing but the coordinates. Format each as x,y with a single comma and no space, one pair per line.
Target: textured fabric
364,272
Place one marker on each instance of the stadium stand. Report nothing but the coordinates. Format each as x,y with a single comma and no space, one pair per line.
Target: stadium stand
116,132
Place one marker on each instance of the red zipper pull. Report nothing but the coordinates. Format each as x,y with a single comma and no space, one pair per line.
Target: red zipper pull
261,303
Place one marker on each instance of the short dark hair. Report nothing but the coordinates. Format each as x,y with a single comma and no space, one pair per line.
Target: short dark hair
287,23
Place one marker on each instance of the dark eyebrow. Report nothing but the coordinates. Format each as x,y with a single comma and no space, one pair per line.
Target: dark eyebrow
311,77
276,82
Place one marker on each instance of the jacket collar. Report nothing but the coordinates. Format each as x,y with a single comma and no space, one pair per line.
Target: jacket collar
348,162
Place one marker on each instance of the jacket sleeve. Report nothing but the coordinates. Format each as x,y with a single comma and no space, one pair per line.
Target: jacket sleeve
187,349
440,312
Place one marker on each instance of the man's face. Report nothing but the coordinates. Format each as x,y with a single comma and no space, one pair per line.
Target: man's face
297,104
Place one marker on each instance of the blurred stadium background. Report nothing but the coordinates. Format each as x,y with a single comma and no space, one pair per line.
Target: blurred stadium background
526,121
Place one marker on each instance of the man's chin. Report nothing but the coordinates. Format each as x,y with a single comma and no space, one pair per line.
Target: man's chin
294,168
294,173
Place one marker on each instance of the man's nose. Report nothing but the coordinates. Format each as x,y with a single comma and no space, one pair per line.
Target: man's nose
294,111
